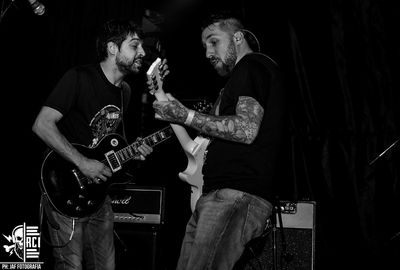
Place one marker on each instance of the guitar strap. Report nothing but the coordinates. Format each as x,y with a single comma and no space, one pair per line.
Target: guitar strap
214,111
215,108
125,97
122,115
125,93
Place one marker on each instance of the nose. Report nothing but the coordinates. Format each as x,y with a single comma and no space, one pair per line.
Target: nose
209,53
141,51
209,50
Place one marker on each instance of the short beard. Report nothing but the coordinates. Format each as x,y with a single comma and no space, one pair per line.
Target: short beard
230,60
125,67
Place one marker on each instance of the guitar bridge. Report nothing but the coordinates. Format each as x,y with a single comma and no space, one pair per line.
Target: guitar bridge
113,161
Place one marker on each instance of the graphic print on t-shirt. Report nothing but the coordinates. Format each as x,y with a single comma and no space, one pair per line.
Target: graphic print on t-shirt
104,122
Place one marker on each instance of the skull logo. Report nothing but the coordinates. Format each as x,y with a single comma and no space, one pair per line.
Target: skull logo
18,239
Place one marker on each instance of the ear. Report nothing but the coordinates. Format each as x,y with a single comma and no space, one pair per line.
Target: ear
112,48
238,37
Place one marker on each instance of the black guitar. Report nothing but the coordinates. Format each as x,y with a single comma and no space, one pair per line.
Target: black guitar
74,195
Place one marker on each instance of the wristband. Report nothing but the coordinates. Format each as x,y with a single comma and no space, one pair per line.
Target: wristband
189,118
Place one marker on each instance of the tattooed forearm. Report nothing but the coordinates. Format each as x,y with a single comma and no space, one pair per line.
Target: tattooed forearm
242,127
173,111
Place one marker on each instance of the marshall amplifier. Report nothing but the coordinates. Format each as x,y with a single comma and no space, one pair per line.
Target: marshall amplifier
138,204
292,247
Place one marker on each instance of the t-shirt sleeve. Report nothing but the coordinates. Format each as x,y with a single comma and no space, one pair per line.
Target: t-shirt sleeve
254,81
64,94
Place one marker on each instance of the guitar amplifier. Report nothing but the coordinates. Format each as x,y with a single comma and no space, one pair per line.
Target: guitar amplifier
294,243
138,204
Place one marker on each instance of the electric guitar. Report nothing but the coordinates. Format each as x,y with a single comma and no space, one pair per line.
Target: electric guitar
73,194
194,149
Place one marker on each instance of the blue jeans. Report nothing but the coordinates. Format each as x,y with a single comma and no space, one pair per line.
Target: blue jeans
92,241
222,223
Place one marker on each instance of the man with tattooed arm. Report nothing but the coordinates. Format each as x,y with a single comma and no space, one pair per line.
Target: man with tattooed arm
246,129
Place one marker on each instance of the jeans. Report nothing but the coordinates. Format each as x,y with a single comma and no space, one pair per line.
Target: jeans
92,242
217,232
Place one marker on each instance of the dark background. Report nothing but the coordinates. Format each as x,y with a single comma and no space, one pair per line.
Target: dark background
340,60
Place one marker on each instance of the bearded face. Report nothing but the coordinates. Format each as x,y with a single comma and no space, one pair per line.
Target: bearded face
225,66
126,65
129,55
230,58
220,49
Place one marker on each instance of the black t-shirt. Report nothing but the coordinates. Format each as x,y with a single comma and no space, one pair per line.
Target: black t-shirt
90,104
249,168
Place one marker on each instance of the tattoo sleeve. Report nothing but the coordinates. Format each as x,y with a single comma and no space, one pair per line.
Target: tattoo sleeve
173,112
242,127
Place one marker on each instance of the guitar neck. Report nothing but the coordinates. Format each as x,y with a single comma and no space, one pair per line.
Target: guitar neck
153,74
183,137
129,152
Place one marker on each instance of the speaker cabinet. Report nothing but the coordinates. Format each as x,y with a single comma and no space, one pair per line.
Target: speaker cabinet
291,247
136,246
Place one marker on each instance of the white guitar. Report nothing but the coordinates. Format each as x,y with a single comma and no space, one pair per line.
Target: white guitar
194,149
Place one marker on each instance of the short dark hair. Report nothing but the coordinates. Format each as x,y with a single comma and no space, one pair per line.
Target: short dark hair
227,22
115,30
231,23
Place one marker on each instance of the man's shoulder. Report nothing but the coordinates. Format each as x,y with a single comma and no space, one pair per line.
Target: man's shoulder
257,63
260,58
85,71
85,68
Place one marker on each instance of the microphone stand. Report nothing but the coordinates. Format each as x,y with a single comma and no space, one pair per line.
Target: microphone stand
274,248
396,235
277,214
384,152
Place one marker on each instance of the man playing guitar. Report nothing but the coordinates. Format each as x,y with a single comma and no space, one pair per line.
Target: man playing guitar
246,131
86,105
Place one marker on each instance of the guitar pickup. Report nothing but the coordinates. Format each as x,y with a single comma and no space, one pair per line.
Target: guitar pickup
113,161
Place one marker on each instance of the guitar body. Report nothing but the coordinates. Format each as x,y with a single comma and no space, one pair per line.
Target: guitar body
193,173
194,149
68,190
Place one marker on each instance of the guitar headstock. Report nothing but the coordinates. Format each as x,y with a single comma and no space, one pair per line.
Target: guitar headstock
154,78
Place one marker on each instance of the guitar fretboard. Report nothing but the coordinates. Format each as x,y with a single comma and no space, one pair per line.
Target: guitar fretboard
152,140
115,159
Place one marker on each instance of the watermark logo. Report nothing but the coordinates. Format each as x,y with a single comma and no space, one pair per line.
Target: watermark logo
23,245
